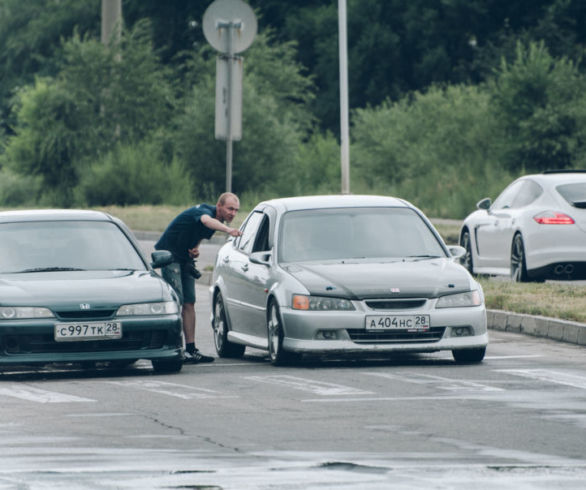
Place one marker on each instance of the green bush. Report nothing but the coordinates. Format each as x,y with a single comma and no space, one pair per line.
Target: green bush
17,190
135,175
438,150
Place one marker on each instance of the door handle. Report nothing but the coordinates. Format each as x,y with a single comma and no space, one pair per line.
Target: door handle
245,267
226,259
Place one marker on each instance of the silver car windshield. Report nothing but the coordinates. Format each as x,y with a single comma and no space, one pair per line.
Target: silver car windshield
65,245
356,233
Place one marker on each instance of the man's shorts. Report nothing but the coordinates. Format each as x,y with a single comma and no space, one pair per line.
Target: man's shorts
178,276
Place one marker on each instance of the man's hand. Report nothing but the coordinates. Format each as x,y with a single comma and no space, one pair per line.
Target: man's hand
193,252
234,232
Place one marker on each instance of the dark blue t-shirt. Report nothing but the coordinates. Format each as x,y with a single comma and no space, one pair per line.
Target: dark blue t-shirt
186,231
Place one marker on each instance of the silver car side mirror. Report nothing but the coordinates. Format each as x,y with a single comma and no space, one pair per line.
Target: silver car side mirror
262,258
456,251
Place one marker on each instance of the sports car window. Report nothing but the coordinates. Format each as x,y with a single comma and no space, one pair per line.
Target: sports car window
356,233
575,193
66,245
249,232
506,198
528,192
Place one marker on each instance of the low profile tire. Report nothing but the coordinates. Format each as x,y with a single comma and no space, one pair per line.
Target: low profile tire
224,347
275,334
167,366
467,260
518,263
469,356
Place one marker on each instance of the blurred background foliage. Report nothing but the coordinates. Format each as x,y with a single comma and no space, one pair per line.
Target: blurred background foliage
450,100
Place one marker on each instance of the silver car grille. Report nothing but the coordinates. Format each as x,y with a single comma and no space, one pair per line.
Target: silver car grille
395,304
361,336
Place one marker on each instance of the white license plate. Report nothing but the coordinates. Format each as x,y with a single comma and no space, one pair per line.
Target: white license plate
397,322
88,331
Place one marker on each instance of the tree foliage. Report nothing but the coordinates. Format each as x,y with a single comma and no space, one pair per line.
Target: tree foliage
449,98
541,103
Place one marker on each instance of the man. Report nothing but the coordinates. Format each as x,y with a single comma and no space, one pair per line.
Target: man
182,238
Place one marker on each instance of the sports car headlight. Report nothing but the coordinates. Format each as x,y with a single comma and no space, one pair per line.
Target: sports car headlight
320,303
461,300
18,312
144,309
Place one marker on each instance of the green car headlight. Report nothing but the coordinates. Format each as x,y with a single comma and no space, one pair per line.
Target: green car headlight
19,312
320,303
460,300
145,309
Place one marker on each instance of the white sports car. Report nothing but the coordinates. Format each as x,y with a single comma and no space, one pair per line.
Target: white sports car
534,230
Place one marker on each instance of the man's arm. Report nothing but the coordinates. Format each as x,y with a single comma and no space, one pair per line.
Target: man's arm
214,224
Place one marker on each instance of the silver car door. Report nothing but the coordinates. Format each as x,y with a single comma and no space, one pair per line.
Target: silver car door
234,266
257,282
242,309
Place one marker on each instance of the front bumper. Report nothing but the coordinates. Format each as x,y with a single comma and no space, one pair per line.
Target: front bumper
32,342
349,334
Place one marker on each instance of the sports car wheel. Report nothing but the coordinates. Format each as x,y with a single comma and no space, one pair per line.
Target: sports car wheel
518,264
224,347
277,354
469,356
467,259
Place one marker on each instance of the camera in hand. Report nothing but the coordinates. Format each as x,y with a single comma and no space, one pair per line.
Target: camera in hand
193,270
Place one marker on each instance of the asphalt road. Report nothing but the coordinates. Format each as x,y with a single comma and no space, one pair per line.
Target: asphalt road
516,421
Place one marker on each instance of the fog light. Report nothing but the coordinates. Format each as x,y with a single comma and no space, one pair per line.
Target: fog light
326,335
461,331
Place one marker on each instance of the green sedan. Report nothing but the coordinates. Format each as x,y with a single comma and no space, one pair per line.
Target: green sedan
76,288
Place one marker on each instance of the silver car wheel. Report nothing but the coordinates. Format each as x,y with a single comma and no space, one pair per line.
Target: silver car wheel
219,324
224,347
274,333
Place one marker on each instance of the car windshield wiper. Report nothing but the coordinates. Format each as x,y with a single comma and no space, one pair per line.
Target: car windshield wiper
422,257
51,269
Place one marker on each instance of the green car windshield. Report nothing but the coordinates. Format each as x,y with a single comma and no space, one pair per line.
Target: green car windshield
46,246
356,233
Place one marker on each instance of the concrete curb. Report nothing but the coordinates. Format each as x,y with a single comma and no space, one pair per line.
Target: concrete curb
537,326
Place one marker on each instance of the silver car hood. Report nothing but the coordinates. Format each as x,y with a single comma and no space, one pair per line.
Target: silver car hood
397,279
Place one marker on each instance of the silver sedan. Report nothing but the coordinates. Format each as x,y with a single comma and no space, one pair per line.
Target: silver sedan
344,275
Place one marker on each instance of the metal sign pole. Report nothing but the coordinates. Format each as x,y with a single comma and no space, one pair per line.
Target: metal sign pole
219,20
229,129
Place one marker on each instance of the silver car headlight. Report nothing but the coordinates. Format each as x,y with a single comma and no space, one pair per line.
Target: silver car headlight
460,300
320,303
18,312
145,309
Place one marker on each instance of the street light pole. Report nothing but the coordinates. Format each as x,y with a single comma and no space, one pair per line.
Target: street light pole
111,19
344,126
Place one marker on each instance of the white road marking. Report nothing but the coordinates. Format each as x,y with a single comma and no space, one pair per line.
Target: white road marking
30,393
386,399
453,385
309,385
176,390
550,376
520,356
